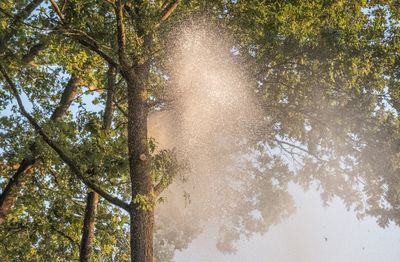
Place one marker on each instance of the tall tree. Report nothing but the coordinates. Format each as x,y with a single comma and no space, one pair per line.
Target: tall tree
325,73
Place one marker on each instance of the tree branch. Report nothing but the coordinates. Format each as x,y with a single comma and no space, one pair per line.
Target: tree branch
6,197
167,10
299,148
67,160
33,52
120,108
66,99
61,233
109,108
58,11
26,12
86,245
92,198
82,37
160,187
18,18
87,41
16,182
121,33
111,2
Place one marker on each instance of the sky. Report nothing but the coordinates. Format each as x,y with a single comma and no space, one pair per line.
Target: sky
313,234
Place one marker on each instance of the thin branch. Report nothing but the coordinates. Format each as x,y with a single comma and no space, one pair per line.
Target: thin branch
299,148
67,160
18,18
160,187
64,4
164,5
109,107
64,235
26,12
58,11
89,42
291,154
111,2
26,166
169,9
88,91
6,13
120,108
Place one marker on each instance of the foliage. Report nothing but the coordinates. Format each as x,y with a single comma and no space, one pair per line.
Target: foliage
326,74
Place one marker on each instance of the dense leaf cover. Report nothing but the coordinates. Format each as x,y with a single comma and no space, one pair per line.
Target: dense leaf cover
325,73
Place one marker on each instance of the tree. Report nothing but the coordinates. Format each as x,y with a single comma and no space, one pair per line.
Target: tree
325,73
328,75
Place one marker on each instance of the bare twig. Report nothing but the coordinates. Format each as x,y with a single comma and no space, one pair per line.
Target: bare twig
299,148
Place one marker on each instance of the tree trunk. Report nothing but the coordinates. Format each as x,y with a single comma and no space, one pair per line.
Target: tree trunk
142,223
16,182
141,213
86,245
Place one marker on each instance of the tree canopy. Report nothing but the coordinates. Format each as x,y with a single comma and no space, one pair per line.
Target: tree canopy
80,79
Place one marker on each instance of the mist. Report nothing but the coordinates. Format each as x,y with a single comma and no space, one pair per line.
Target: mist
211,123
235,186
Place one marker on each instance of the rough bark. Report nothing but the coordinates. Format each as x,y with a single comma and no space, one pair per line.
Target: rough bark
86,246
141,235
141,214
67,97
14,185
16,182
